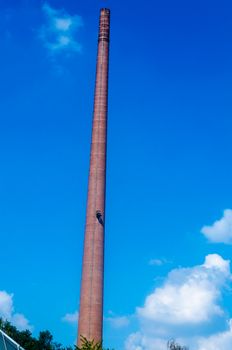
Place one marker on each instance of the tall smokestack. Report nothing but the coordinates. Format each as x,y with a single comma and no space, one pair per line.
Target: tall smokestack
91,300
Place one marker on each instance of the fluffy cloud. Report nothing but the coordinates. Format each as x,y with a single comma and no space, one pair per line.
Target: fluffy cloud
139,341
188,300
170,303
59,32
7,312
221,230
71,318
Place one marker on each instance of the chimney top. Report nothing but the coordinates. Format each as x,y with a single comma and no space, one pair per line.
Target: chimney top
104,9
104,25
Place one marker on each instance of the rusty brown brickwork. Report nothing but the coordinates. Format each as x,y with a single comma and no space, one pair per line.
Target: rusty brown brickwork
91,300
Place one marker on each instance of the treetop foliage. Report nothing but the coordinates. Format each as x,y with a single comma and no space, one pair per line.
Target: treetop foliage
28,342
172,345
90,345
44,341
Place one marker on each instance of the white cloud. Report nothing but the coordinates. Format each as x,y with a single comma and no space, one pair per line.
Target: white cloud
21,322
215,261
7,312
170,303
220,341
221,230
118,321
140,341
188,301
59,32
71,318
6,304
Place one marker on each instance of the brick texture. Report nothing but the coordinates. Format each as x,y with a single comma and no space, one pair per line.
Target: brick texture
91,300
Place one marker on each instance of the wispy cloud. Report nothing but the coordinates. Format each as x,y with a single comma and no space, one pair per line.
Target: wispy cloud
118,321
221,230
71,318
59,31
7,312
158,262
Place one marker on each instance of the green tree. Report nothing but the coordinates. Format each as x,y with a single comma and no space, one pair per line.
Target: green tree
89,345
44,341
28,342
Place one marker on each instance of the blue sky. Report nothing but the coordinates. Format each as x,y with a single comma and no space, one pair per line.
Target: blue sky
169,170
